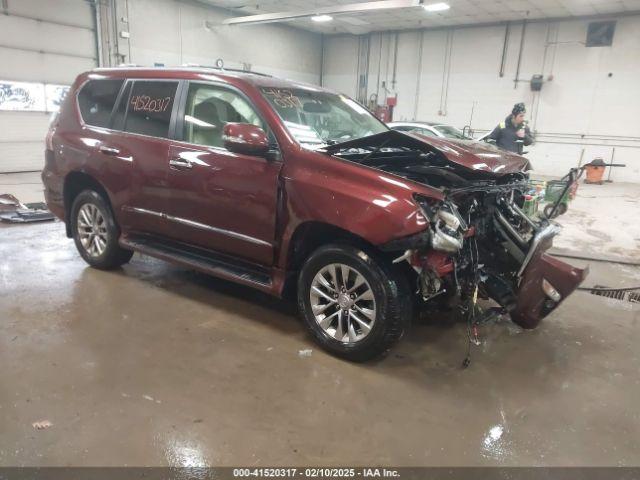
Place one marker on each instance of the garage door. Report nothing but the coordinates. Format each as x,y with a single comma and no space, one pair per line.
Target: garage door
43,46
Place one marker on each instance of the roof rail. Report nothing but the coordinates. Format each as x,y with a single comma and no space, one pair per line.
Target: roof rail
191,65
223,69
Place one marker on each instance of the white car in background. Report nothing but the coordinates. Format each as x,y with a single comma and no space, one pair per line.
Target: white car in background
430,129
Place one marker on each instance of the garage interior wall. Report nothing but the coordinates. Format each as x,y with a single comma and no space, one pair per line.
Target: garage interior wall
52,42
42,45
173,32
591,102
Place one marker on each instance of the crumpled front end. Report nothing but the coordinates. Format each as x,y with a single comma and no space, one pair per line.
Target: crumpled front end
479,242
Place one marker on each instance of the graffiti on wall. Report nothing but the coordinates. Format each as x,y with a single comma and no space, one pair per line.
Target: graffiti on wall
31,97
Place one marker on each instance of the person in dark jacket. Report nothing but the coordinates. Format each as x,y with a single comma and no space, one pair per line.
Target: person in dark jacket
513,134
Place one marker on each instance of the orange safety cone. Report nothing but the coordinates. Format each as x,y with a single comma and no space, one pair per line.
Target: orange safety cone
595,171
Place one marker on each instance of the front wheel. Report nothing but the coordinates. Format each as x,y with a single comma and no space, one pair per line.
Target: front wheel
354,305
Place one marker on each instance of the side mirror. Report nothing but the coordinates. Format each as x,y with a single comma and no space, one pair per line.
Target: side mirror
246,139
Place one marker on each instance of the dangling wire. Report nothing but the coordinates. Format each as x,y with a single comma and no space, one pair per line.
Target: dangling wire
470,311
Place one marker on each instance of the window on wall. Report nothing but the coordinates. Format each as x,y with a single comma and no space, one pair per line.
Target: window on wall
209,108
31,97
600,34
96,100
150,105
54,96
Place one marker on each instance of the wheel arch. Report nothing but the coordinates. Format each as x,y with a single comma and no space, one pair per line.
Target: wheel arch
74,183
311,235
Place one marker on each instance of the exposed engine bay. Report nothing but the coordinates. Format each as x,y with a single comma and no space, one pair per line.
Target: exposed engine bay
480,242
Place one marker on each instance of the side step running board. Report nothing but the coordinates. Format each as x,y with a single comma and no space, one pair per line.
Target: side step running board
200,259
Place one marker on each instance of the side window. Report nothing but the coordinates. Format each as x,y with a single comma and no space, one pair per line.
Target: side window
96,100
121,110
402,128
150,105
209,108
424,131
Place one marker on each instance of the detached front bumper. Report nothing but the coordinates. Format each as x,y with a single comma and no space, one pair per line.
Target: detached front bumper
545,282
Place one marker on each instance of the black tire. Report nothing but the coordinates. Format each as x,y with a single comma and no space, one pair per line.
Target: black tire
561,210
393,303
111,255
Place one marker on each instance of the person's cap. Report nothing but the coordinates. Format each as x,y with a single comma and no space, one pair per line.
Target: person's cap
518,108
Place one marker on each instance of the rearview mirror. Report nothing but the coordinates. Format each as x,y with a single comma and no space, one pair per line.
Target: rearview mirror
245,138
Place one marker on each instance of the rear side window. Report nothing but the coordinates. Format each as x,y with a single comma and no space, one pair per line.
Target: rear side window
150,105
96,101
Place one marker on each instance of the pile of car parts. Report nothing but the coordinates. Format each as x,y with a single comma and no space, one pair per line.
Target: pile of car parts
13,211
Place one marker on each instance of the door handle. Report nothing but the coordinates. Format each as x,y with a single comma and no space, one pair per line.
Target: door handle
180,164
109,151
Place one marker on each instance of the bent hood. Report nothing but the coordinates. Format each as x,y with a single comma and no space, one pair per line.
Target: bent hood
475,156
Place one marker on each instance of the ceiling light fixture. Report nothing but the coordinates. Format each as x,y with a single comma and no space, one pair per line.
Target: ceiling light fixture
436,7
332,11
322,18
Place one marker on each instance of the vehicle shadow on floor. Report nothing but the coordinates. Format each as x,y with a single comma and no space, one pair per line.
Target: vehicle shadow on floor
434,347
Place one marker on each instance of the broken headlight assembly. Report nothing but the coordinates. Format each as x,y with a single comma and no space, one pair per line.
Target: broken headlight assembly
448,226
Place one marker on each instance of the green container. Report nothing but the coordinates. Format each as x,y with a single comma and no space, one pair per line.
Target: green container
530,206
554,191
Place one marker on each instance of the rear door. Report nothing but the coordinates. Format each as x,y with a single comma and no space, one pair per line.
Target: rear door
92,146
144,120
218,199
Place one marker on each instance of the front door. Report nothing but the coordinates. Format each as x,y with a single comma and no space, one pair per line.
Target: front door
221,200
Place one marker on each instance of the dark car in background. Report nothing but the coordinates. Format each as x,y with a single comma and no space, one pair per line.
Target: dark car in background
290,188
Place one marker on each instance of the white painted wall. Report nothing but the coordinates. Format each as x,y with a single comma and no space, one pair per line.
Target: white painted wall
581,107
42,45
174,33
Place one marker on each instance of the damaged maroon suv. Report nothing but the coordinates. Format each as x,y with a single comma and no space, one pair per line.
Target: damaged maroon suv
287,187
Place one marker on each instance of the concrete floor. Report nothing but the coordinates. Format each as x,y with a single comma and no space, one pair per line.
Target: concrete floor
603,221
157,365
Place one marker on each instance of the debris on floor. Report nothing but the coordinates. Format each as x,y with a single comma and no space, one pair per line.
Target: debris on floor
12,210
150,398
42,424
305,353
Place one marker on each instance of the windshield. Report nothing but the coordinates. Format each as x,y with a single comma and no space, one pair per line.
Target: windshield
450,132
316,119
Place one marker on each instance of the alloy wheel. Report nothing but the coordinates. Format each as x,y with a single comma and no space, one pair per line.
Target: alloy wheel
343,303
92,230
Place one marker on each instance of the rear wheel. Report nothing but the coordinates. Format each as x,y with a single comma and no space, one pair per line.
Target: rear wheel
354,305
95,232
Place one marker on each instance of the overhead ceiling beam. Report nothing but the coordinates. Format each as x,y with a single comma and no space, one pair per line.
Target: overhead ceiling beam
334,10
